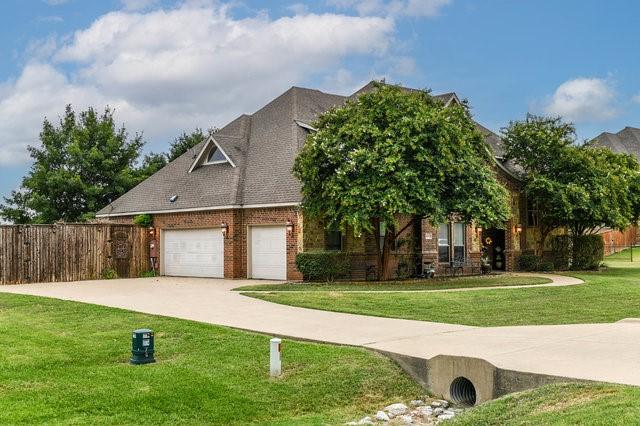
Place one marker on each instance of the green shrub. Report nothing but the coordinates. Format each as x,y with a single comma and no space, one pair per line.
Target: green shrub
588,252
143,220
323,265
546,266
147,274
109,274
528,262
561,251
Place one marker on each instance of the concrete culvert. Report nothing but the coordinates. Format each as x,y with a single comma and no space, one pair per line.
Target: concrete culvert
463,392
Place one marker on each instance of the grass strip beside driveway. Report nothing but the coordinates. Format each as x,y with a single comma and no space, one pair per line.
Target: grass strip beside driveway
606,296
408,285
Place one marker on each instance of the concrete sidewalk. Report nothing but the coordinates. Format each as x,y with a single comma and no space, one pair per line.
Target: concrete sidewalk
603,352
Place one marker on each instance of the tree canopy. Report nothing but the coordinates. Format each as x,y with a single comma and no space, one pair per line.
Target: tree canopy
82,164
582,188
392,152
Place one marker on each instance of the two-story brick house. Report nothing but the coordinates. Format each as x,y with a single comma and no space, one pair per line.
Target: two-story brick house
229,207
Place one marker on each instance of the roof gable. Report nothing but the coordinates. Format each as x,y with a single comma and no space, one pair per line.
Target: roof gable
202,159
260,150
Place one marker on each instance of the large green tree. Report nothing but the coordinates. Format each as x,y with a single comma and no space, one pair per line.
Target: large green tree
80,165
582,188
391,152
186,141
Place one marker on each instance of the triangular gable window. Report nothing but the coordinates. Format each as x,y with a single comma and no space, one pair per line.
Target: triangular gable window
216,156
211,153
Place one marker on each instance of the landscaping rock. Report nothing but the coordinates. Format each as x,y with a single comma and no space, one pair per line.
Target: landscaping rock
396,409
407,419
437,411
381,416
446,416
440,403
365,421
417,403
424,411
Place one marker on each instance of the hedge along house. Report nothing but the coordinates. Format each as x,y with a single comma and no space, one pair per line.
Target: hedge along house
230,206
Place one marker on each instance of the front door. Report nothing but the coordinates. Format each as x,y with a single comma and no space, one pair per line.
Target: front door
493,241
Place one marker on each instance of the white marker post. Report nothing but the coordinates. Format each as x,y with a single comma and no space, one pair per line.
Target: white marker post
275,366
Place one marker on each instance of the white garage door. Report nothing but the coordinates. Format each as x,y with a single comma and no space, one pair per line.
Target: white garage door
268,252
193,253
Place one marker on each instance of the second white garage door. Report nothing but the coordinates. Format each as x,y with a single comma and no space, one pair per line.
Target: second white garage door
268,252
193,253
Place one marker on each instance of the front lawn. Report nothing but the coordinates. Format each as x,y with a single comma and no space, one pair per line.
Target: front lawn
66,362
409,285
606,297
566,404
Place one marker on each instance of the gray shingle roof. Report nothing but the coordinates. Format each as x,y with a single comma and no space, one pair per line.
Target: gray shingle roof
626,141
263,147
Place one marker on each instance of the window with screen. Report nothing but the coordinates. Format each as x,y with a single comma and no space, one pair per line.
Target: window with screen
443,243
333,240
458,241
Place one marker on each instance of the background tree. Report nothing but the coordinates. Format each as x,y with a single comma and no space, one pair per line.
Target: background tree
392,152
582,188
79,167
186,141
537,144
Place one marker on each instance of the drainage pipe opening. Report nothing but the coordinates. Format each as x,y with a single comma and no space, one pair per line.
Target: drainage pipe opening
463,392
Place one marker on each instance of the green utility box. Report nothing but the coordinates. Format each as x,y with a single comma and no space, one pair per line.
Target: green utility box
142,346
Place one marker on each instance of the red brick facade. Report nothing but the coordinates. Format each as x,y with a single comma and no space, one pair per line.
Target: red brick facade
420,239
239,222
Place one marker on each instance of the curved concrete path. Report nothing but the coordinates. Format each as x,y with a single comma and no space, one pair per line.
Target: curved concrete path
556,281
605,352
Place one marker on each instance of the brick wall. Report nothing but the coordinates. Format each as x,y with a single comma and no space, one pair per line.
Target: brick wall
235,243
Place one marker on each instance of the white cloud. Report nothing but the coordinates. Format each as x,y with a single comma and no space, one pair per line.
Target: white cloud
299,8
55,2
416,8
403,66
636,99
583,99
137,4
165,71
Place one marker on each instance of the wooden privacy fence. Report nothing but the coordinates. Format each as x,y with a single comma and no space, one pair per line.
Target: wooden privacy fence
71,252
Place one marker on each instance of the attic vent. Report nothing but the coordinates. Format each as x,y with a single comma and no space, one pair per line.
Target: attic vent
173,198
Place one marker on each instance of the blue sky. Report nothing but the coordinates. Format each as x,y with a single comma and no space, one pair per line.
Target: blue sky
169,66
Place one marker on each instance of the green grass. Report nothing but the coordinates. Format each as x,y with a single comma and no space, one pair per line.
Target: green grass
567,404
625,256
414,285
67,363
607,296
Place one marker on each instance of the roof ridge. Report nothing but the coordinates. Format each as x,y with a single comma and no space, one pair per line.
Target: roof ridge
240,185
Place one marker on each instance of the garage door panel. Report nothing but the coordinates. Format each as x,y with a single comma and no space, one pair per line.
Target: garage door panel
194,253
269,252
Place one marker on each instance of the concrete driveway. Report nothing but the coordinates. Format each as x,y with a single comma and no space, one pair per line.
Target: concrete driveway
604,352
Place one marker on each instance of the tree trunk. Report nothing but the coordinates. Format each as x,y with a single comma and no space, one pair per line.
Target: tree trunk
544,233
386,252
376,237
382,253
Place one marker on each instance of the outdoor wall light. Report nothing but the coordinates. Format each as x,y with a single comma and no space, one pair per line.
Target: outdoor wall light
224,228
518,228
152,231
289,227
